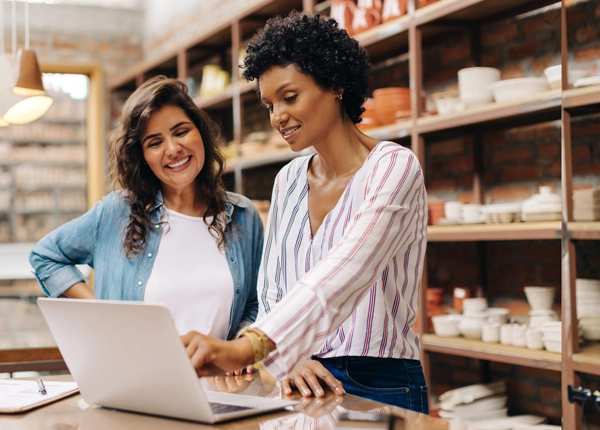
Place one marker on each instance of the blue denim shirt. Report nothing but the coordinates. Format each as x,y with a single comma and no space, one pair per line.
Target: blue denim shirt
96,237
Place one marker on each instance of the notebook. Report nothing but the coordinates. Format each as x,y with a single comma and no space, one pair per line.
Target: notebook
20,395
128,356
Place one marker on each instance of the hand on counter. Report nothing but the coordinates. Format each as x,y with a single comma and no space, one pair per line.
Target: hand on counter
308,377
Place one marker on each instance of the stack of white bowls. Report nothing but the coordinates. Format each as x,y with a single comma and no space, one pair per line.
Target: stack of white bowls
474,317
473,85
552,336
587,293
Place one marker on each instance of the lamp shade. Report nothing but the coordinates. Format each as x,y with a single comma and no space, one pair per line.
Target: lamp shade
28,110
28,74
18,109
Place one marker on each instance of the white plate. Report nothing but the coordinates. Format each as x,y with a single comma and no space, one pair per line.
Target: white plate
470,393
584,82
506,423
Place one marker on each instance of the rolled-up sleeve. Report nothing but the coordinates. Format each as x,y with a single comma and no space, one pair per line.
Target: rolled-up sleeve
54,257
387,223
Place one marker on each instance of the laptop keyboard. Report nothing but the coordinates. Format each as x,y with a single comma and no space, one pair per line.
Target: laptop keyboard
222,408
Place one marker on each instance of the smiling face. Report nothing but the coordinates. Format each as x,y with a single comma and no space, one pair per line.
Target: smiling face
299,109
173,148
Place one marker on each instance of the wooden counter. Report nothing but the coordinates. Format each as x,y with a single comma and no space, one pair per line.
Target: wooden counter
73,413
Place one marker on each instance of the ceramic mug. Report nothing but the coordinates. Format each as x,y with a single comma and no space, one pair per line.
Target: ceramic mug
506,334
490,333
519,335
534,338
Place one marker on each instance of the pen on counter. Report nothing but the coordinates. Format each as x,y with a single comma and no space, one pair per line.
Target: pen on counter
41,386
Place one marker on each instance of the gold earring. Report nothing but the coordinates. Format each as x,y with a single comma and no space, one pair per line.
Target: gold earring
339,96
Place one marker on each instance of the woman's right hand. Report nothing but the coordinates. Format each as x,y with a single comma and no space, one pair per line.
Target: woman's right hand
80,291
308,377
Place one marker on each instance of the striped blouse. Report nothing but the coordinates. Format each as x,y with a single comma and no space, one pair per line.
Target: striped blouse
351,289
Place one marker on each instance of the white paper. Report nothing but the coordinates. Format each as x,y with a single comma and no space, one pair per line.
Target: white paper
17,394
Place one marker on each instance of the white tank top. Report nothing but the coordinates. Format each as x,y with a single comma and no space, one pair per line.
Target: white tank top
191,276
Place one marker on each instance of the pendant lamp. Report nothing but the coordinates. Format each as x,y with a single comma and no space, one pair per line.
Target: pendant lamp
29,101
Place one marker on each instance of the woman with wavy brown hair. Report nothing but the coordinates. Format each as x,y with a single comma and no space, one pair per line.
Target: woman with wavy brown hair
171,233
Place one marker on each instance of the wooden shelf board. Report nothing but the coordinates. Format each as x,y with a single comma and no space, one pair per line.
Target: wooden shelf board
587,360
264,159
584,230
484,232
220,100
492,351
548,102
382,39
397,130
582,97
472,10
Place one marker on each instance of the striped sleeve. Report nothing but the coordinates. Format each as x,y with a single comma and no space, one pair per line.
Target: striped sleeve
384,226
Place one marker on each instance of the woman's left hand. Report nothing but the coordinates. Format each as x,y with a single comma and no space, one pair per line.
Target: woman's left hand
211,356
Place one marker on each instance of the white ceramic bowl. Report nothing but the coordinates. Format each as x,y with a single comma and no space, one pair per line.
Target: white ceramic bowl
514,89
471,329
475,304
553,75
540,298
472,77
591,331
551,345
446,325
497,315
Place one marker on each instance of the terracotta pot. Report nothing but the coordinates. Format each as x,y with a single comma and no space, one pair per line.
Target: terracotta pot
364,19
434,296
436,212
460,293
343,11
393,9
390,100
370,4
423,3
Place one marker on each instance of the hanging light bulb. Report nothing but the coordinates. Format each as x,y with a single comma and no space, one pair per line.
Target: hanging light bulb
27,101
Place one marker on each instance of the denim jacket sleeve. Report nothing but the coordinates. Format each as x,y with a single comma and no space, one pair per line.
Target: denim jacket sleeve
54,257
251,309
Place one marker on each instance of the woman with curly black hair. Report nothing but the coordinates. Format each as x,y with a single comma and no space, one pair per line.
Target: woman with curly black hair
339,281
172,233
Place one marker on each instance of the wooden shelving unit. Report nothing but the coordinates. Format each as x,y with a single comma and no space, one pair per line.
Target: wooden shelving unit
509,354
401,40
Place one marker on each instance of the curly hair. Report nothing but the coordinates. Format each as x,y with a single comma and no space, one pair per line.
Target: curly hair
319,48
129,172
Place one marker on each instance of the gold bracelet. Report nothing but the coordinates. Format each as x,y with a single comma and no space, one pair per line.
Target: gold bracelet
258,340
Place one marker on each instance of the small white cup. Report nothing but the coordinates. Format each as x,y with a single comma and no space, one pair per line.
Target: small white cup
519,335
491,333
453,211
506,334
534,338
471,212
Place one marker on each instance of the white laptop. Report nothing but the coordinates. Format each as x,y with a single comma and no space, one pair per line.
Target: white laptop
128,355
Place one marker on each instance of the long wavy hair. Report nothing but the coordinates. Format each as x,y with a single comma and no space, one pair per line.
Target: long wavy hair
129,172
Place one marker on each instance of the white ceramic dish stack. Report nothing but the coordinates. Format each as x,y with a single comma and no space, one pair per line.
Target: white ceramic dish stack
473,85
552,336
502,213
474,402
545,206
508,423
536,427
586,82
587,300
586,205
514,89
447,102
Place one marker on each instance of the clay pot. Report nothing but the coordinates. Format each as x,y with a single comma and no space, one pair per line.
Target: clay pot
369,117
364,19
393,9
343,12
423,3
436,212
434,297
460,293
388,101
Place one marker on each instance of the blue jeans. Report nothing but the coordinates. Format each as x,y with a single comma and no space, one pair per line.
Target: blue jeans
398,382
